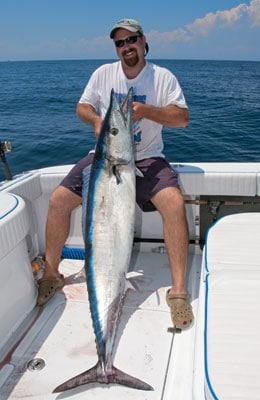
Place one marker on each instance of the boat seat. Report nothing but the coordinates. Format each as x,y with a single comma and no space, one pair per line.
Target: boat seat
231,308
228,180
194,180
13,222
27,186
258,184
51,177
233,243
18,294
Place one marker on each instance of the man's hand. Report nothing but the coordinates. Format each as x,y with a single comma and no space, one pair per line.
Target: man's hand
87,114
98,123
137,111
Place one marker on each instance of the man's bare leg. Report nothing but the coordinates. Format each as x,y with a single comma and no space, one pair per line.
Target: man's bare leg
170,203
62,203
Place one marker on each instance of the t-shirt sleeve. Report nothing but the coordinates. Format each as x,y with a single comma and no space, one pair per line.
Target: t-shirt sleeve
90,94
175,94
170,89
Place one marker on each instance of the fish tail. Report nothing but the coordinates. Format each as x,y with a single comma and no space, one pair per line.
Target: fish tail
122,378
93,375
85,377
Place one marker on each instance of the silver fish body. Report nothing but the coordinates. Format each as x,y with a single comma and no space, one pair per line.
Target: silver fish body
109,230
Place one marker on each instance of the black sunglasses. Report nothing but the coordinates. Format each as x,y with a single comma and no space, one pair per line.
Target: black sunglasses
128,40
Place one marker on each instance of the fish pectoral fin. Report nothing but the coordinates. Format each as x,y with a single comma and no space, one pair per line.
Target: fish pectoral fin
132,278
138,172
116,172
112,376
131,285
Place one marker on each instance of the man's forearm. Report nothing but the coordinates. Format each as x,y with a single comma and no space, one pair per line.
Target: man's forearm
171,116
88,114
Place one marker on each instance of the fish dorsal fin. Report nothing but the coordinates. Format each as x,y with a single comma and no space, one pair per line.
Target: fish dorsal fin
126,104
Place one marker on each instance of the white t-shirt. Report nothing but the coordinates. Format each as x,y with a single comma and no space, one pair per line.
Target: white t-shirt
154,85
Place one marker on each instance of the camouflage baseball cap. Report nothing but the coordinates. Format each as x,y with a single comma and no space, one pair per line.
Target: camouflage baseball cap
129,24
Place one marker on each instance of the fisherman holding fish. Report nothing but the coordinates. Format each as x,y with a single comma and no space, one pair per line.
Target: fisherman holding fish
158,101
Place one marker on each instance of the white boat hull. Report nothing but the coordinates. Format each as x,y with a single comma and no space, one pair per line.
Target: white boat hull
41,348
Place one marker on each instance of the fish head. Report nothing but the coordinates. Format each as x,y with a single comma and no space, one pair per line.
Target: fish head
117,131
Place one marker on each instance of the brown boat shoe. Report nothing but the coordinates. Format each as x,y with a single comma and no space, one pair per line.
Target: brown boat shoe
48,287
181,310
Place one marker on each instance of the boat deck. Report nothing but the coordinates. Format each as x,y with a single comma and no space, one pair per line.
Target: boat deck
217,358
61,342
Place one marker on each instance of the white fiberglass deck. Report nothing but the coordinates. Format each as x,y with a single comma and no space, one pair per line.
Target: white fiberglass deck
63,338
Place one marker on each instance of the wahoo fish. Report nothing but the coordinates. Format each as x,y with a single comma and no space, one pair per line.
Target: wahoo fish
109,231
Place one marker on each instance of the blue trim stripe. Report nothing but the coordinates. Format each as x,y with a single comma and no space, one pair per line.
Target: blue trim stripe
206,311
11,209
206,241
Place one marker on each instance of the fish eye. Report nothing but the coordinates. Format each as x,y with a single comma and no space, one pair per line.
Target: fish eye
114,131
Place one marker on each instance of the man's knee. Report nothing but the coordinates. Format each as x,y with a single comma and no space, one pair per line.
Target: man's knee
63,198
170,197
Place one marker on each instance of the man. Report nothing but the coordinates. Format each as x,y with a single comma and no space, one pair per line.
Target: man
158,101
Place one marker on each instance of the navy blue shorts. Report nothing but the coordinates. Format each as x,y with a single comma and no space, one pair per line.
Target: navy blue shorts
157,175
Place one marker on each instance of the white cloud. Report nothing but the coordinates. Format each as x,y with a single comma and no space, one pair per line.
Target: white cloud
176,35
254,12
218,20
225,18
195,38
242,19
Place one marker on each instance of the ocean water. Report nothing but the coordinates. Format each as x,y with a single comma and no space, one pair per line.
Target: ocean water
38,101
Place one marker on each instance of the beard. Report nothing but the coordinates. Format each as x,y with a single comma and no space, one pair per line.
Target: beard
131,61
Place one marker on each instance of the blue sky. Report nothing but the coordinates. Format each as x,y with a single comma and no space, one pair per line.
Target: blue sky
79,29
